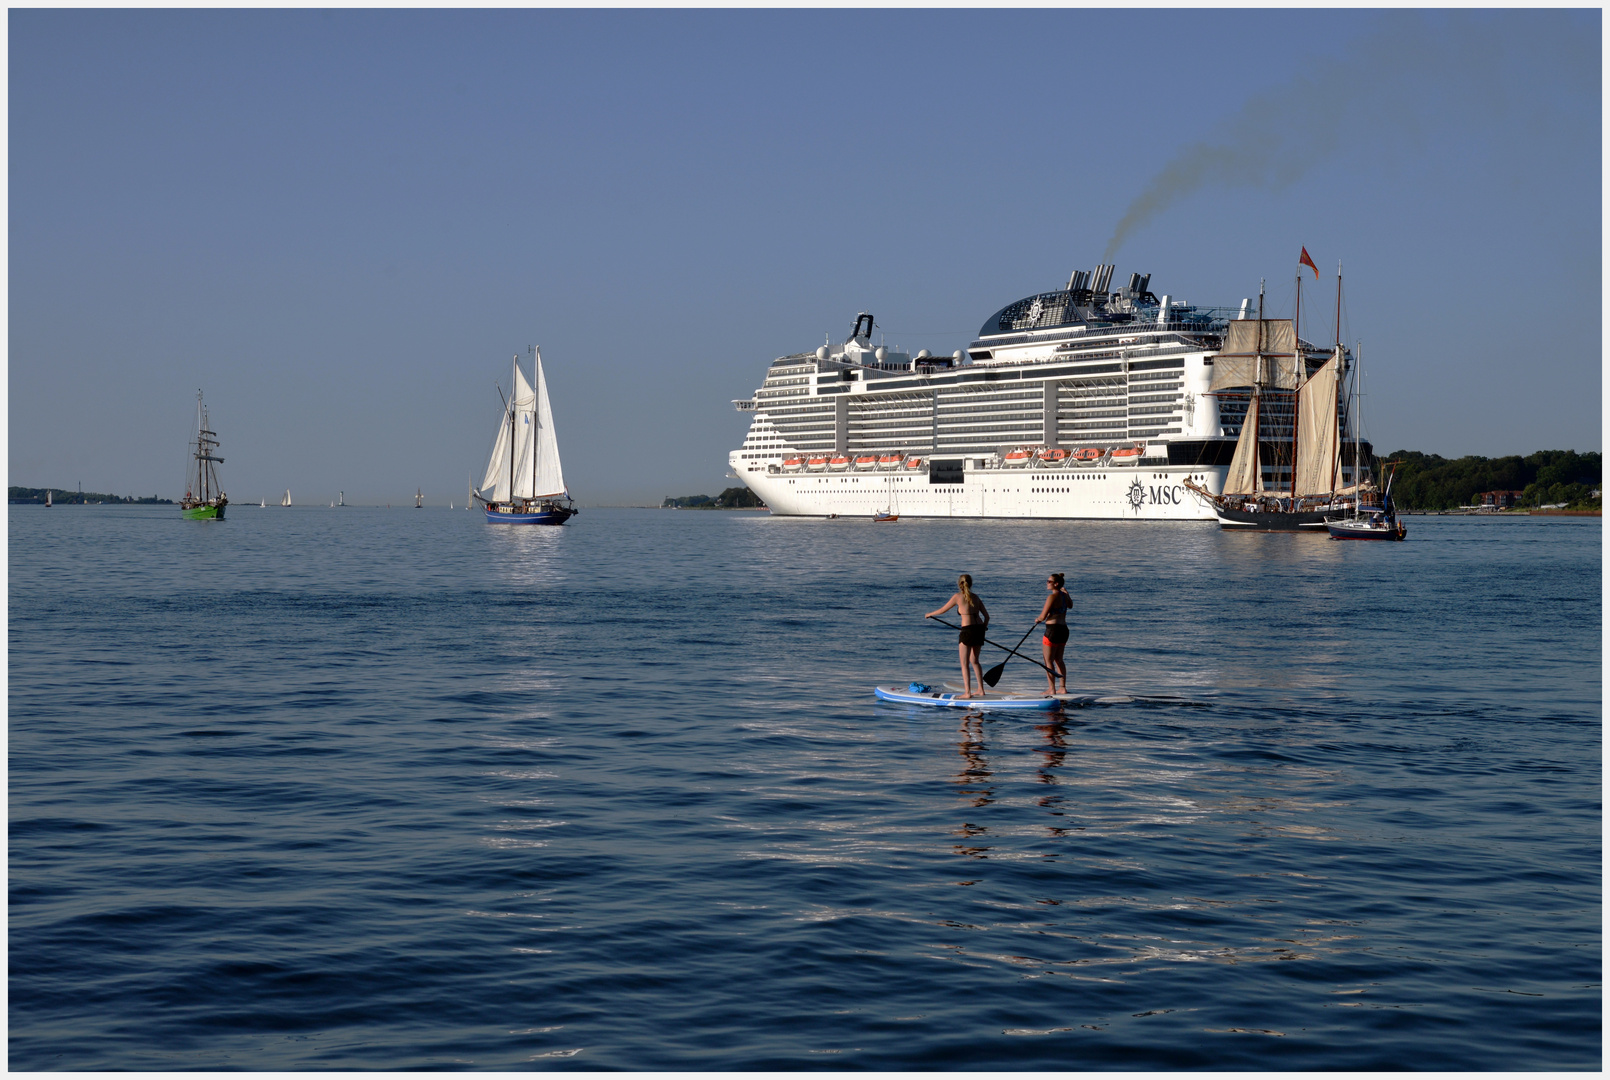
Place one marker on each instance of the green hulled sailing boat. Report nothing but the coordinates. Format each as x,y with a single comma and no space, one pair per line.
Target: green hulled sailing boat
203,498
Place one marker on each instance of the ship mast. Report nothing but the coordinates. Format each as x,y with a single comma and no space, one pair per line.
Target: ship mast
1257,387
1298,373
536,415
514,382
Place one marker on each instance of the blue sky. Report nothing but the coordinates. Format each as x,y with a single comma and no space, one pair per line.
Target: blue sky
342,225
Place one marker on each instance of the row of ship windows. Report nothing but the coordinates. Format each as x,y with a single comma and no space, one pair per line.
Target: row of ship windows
1082,388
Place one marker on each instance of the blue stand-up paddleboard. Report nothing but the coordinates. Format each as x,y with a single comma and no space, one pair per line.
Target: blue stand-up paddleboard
921,694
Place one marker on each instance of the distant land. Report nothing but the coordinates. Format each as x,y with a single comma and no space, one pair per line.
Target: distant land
63,498
733,498
1562,478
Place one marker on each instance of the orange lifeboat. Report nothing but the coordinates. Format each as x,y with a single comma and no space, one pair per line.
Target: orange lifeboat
890,461
1088,455
838,461
867,461
816,462
1127,455
793,464
1020,456
914,463
1053,455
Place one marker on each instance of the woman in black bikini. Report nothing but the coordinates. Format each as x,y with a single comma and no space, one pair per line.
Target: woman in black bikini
1055,616
975,623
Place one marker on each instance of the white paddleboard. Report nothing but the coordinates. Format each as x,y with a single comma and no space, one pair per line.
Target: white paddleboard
1076,699
938,696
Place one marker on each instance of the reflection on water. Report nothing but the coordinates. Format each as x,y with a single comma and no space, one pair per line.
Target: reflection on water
617,795
528,556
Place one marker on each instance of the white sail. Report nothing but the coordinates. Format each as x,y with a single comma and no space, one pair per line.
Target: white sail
1257,352
1317,430
1245,477
525,459
503,482
549,475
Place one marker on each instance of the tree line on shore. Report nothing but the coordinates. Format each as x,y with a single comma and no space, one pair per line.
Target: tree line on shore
64,498
733,498
1432,482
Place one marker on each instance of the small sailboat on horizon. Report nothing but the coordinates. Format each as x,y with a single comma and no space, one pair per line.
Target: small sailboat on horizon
524,482
285,500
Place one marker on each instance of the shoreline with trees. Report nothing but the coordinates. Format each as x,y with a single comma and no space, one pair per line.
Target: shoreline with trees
25,495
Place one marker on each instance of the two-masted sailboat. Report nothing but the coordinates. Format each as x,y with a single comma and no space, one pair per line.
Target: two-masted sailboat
524,482
1287,471
203,499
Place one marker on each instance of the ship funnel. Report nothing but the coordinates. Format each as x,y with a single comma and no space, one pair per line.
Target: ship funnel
1145,283
1245,303
1079,280
1102,278
1134,284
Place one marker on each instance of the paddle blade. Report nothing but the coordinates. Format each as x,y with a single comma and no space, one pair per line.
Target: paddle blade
993,675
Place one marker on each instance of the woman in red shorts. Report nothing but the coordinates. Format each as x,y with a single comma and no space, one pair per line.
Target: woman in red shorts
1055,616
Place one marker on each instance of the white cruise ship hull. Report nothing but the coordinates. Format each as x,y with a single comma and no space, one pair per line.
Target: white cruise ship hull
1076,403
1128,493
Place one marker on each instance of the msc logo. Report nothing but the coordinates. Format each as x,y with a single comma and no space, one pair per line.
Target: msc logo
1158,495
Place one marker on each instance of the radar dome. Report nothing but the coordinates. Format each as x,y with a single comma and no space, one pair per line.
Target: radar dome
821,352
881,353
922,354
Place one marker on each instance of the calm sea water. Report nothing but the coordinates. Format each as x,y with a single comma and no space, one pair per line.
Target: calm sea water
317,789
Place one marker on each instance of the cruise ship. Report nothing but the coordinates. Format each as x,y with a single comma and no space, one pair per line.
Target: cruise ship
1077,403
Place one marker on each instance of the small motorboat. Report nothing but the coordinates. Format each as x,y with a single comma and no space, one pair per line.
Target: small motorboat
1128,455
1088,455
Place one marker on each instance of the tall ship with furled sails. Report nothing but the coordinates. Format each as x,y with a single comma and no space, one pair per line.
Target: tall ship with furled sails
1082,402
204,498
1288,473
524,482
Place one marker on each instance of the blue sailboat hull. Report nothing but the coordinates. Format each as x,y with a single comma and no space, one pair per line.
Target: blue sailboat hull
555,516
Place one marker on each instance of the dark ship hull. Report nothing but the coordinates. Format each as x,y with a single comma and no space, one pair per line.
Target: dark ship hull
1280,520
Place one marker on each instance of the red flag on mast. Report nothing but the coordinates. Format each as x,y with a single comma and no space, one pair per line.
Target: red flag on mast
1306,261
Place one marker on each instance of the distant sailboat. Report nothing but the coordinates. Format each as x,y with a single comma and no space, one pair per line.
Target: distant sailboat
419,498
47,497
524,483
261,503
341,499
286,500
203,499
